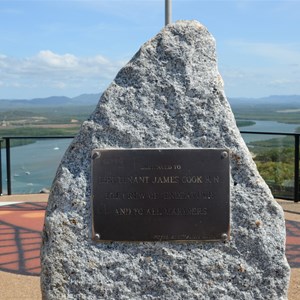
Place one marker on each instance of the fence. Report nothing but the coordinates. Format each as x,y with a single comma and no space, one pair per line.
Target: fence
279,167
8,160
285,164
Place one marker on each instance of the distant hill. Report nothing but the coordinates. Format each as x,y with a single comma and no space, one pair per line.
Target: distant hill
284,109
54,101
274,102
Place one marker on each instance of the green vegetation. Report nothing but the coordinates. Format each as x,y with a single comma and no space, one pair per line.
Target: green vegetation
243,123
276,166
292,118
284,141
49,121
47,115
284,155
275,162
274,156
38,131
35,131
19,142
266,112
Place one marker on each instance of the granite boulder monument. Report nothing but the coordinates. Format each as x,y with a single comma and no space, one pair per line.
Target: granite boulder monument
169,95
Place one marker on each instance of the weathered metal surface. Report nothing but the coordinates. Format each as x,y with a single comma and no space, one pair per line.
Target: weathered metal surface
160,194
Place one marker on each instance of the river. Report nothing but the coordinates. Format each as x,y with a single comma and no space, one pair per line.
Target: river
34,165
267,126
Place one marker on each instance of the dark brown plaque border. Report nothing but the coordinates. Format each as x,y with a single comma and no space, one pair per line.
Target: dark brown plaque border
160,194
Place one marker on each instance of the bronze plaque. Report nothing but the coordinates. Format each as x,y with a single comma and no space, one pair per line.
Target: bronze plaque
160,194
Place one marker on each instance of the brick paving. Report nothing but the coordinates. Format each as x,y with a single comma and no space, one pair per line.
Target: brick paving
20,239
293,243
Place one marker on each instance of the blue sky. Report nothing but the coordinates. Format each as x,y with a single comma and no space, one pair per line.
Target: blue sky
70,47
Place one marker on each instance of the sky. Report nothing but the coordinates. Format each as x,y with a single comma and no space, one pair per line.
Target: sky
72,47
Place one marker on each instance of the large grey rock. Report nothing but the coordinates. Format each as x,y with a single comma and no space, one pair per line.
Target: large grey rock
169,95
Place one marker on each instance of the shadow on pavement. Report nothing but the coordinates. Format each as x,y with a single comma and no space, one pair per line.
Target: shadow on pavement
293,243
20,237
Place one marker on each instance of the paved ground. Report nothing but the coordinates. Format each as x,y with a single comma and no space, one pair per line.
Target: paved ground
21,221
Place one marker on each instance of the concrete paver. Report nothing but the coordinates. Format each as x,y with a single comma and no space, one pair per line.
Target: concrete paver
21,220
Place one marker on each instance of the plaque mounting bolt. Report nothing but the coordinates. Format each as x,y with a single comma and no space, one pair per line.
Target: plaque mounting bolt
224,154
96,155
224,237
97,236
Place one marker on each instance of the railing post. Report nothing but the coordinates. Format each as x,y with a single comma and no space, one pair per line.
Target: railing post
8,168
1,190
296,174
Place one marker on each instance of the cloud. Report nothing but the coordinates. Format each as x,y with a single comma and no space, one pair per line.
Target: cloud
50,59
280,53
59,85
284,82
241,81
59,71
261,68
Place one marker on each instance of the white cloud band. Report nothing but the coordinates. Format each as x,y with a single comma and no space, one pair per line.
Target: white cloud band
50,69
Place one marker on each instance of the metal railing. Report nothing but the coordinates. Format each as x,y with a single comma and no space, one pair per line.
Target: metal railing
7,140
296,196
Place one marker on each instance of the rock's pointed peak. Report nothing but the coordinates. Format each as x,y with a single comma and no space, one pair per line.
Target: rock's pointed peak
178,37
184,26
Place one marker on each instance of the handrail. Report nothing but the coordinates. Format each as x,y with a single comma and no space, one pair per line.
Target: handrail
270,133
36,137
8,159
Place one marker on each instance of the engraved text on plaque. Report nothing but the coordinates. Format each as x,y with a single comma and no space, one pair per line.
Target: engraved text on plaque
160,194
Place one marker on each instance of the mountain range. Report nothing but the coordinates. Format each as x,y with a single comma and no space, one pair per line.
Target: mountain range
286,101
279,101
53,101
